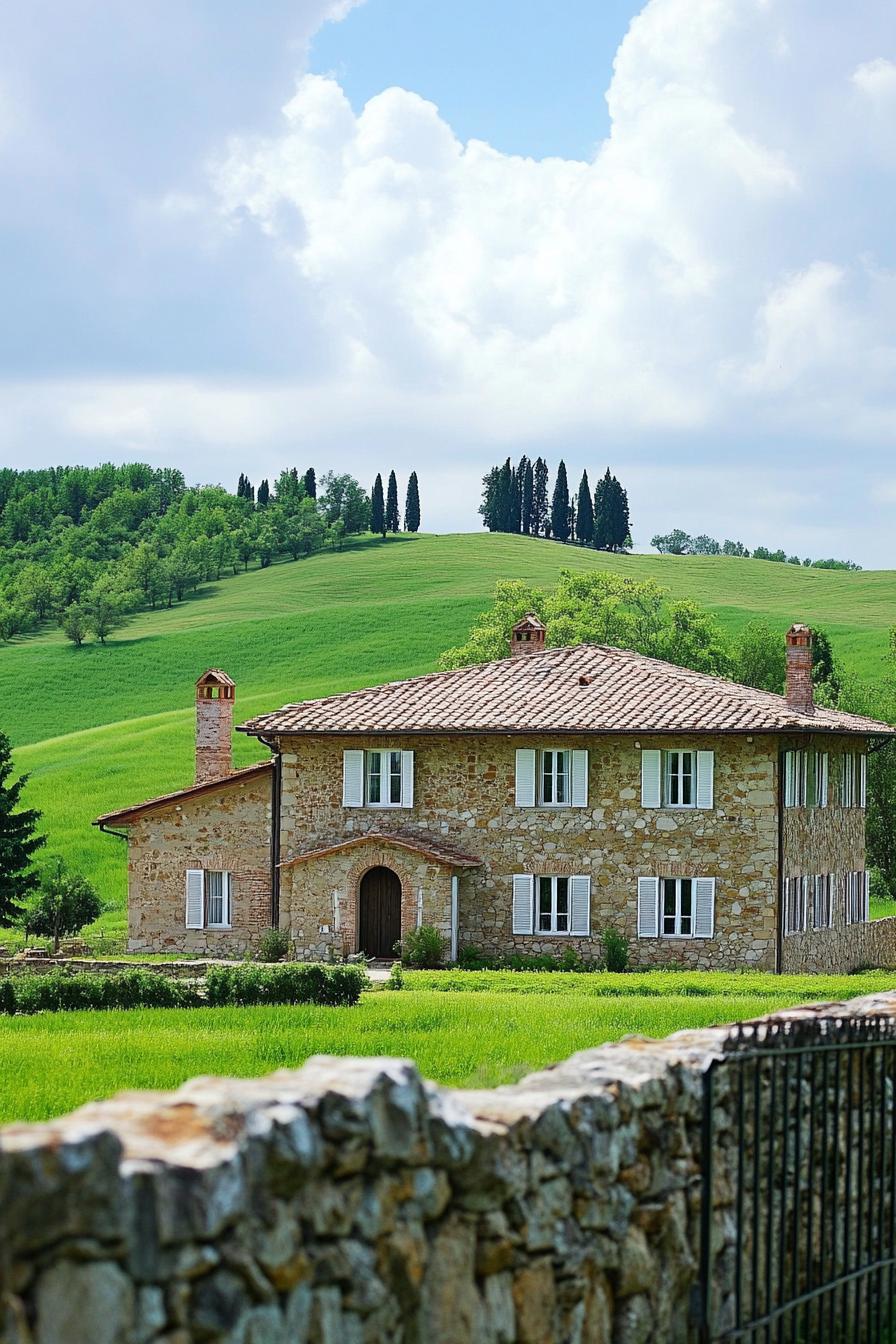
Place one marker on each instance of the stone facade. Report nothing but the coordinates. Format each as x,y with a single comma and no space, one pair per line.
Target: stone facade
351,1203
226,829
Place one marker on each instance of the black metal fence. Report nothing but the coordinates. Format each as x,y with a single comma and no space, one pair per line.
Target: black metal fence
798,1231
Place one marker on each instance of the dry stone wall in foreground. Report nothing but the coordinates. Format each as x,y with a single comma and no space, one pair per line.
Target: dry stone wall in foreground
349,1202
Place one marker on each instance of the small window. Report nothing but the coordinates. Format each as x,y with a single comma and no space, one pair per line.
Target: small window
822,902
383,786
856,898
796,890
679,779
853,769
677,895
796,778
217,900
553,905
554,788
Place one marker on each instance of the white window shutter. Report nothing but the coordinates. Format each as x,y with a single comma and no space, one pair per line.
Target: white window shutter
648,906
195,899
228,887
525,778
863,780
407,779
579,779
651,779
789,791
821,783
705,778
523,889
705,907
580,905
353,779
866,884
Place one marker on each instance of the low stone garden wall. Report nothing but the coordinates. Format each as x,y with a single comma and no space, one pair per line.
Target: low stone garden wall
175,970
841,950
350,1202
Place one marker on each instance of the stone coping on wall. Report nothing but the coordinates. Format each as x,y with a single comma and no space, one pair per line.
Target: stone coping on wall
351,1202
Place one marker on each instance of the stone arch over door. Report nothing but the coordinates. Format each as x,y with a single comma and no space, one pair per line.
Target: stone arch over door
376,856
379,911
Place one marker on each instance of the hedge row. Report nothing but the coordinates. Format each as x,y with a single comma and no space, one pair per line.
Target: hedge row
56,991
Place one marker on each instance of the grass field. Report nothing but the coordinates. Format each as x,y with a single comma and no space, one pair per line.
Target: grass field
472,1038
102,727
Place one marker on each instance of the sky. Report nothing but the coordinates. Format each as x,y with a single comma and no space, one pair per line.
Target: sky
366,234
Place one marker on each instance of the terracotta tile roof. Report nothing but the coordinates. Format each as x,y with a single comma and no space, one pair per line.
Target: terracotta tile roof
126,814
586,688
419,842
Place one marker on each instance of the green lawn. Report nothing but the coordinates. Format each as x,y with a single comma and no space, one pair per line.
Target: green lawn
471,1038
102,727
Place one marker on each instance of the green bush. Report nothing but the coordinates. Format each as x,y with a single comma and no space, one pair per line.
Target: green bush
295,982
615,951
472,959
273,946
424,948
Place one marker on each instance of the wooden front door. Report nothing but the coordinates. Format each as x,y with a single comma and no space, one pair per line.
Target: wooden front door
380,919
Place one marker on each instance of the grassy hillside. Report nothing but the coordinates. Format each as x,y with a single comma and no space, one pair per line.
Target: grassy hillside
102,727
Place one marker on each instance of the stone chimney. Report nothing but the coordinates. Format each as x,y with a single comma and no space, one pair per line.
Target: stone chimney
527,636
214,726
799,690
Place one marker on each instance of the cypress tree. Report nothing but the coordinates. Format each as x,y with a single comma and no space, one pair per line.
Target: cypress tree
412,505
516,502
621,525
310,483
585,513
526,520
602,512
264,494
540,498
504,499
560,505
489,506
18,841
377,507
521,490
393,521
241,487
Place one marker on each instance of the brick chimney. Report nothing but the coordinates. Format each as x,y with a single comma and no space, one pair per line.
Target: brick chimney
214,726
799,690
527,636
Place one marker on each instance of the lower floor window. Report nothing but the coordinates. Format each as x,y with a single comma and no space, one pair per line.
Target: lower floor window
856,898
208,899
796,891
678,907
553,905
822,902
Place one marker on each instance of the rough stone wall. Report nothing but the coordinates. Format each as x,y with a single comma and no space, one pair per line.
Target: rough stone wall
320,899
464,792
845,948
227,830
351,1203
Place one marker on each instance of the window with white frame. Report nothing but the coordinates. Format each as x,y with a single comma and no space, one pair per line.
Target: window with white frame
853,777
208,899
855,892
822,901
381,777
553,778
553,905
817,779
796,778
677,894
796,894
679,779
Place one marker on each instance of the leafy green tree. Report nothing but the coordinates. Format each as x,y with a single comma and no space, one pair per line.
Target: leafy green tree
377,507
759,658
18,841
75,624
585,513
266,545
343,498
393,520
675,542
826,677
560,505
704,545
104,613
244,544
412,505
64,904
336,534
12,621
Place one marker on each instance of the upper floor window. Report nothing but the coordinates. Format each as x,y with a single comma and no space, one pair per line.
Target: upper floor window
381,777
677,778
551,777
208,899
853,779
805,778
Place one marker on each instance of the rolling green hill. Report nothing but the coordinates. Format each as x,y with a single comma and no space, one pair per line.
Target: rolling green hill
101,727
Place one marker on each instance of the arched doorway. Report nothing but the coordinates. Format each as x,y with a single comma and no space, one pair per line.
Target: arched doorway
379,925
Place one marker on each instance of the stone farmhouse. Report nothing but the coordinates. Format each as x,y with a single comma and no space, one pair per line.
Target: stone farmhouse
524,805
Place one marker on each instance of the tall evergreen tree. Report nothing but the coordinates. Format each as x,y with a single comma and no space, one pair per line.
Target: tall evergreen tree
241,487
585,513
515,501
520,478
504,499
489,506
412,505
620,526
377,507
264,494
526,499
560,505
18,841
539,498
393,521
602,512
310,483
